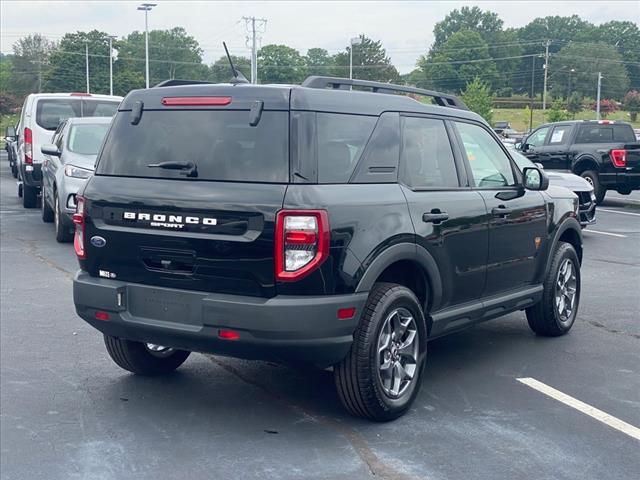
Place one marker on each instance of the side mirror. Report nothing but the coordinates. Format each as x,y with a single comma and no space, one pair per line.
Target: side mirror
535,179
10,133
49,149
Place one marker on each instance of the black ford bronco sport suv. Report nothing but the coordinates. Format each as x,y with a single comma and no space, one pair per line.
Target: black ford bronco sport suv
315,224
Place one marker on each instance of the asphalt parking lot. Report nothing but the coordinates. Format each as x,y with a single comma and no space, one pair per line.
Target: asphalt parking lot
67,412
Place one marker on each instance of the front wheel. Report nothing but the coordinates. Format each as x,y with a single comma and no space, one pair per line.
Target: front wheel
555,314
144,358
63,233
47,212
380,376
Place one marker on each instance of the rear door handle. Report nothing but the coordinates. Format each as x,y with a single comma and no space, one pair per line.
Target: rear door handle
501,211
435,217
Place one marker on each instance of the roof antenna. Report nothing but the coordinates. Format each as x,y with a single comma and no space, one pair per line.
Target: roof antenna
238,77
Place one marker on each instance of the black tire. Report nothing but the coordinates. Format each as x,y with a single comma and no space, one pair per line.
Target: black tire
599,191
137,358
14,170
544,318
29,196
47,212
358,379
63,232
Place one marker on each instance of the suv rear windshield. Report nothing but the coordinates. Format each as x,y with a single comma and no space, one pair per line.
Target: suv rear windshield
221,144
51,111
606,133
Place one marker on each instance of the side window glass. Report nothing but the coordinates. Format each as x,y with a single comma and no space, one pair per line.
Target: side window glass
560,135
537,138
491,167
426,156
341,139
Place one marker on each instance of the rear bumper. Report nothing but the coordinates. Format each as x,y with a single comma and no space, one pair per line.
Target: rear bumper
282,328
32,174
622,180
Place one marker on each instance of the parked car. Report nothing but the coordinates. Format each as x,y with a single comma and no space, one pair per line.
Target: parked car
10,142
68,161
604,152
500,126
578,185
315,224
41,114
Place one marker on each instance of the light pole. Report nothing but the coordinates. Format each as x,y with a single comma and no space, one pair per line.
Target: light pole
111,38
354,41
86,62
146,7
571,72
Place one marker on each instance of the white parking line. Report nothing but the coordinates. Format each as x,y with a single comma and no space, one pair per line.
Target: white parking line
613,422
617,211
605,233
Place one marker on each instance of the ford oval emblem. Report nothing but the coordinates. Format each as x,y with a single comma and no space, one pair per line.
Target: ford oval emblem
98,242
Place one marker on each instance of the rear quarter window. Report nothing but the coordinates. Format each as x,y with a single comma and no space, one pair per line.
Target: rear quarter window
607,133
222,145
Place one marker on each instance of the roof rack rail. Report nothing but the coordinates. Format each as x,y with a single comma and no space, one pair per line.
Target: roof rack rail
442,99
173,82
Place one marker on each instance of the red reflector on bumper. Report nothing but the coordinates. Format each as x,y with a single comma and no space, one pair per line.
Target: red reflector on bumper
100,315
228,334
346,313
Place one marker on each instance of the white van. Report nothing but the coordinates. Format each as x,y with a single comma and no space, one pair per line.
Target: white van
41,114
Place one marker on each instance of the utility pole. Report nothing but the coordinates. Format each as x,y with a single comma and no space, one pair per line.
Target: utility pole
146,8
598,96
111,38
39,62
353,41
86,62
546,69
253,31
533,69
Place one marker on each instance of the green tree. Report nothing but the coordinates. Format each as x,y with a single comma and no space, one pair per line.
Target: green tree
462,58
172,54
221,70
66,72
574,104
487,24
477,96
625,36
280,64
557,113
586,60
30,59
319,62
631,103
370,62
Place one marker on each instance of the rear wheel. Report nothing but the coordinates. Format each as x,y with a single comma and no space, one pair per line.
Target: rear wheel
14,170
380,376
29,196
144,358
556,313
63,233
47,212
599,191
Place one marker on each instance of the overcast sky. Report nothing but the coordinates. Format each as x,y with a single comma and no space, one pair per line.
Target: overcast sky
405,28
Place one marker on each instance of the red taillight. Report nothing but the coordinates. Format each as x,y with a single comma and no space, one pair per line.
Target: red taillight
196,101
100,315
78,219
346,313
302,242
619,158
228,334
28,146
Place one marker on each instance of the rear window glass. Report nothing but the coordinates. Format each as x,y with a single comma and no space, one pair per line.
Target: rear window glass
86,139
221,144
51,111
341,139
605,134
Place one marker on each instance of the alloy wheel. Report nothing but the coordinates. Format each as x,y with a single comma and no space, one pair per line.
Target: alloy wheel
566,290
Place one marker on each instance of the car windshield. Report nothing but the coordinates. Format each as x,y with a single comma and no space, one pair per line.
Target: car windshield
86,139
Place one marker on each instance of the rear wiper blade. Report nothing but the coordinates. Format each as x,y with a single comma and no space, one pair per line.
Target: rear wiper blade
190,166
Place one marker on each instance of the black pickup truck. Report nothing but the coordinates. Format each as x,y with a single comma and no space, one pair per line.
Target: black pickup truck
603,152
